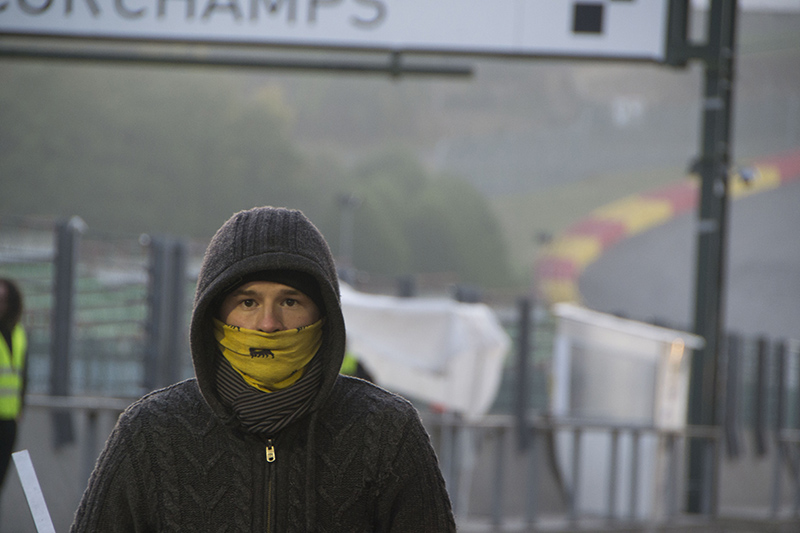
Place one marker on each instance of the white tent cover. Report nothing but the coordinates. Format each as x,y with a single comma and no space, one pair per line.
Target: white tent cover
447,353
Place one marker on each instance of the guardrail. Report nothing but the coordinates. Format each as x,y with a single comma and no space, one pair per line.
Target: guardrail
92,408
501,441
787,443
526,471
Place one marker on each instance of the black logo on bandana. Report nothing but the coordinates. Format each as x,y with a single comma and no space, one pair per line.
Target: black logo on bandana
261,352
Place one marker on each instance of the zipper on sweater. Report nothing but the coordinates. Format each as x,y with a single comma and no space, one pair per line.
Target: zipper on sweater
271,475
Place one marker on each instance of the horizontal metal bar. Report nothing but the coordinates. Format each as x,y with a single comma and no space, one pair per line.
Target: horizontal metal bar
87,403
789,436
393,66
545,424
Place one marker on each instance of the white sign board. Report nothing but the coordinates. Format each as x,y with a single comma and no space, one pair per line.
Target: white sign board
628,29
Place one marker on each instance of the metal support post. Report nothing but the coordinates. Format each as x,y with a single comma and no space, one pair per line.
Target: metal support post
672,476
166,312
612,475
778,425
90,452
155,306
447,451
348,203
499,477
760,404
523,351
532,509
574,494
713,165
636,447
732,394
66,266
176,313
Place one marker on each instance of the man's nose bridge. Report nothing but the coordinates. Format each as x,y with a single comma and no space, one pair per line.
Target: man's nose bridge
270,319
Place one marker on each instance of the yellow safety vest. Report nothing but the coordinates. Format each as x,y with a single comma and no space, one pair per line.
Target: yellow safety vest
11,366
349,364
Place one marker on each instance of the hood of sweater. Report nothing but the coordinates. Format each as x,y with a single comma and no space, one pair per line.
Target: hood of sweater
264,238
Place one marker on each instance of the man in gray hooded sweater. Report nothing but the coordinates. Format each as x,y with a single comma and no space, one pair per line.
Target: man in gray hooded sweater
268,436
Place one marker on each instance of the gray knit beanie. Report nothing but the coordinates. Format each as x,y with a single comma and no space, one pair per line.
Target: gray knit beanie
264,239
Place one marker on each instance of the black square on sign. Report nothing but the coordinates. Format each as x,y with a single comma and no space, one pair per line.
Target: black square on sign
588,18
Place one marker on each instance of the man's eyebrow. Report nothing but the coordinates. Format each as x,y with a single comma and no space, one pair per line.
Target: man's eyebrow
288,291
243,292
291,291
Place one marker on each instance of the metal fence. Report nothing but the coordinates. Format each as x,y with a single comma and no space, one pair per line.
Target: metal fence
127,300
518,493
540,459
497,485
105,314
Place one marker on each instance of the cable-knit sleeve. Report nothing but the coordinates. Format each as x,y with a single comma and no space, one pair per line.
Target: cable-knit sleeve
413,495
116,498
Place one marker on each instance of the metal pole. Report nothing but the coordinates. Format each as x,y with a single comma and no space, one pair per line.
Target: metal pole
89,446
523,349
532,484
499,478
447,452
66,261
672,477
393,66
166,301
712,234
175,316
348,204
732,393
633,502
572,504
612,474
155,305
760,404
778,423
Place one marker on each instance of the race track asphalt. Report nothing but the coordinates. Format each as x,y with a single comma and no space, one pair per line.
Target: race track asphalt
651,275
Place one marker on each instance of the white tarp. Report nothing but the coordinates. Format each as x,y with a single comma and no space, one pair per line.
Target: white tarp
436,350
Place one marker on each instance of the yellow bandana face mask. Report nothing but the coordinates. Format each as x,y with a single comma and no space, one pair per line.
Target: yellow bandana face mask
269,361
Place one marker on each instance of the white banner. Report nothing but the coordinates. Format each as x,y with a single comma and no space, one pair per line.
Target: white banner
634,29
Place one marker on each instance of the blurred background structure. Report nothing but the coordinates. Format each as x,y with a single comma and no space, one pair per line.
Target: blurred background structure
456,186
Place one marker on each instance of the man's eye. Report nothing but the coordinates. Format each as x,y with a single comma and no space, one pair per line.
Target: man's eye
290,302
248,303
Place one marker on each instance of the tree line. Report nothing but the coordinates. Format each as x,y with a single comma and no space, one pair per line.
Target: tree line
177,151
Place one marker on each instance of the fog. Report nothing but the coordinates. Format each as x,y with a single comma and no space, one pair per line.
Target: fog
545,141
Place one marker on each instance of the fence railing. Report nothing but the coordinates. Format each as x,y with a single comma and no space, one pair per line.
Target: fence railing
90,410
761,395
498,484
554,459
786,462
